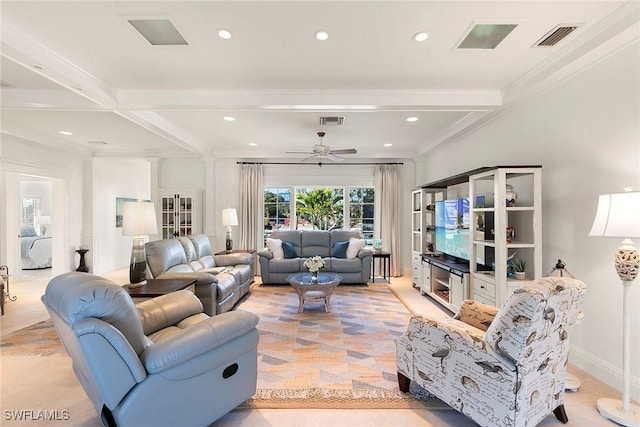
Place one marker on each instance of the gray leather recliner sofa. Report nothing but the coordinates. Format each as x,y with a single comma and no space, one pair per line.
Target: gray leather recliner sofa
160,363
221,280
309,243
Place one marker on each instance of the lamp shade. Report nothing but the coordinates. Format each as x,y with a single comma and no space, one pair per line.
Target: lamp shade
139,218
618,215
229,217
43,219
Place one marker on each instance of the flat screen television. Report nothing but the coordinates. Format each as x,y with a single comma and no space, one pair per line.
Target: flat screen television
453,227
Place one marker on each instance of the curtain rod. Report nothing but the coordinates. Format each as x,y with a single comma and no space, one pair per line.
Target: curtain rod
319,163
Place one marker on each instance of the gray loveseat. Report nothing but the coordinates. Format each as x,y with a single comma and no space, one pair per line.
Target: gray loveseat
311,243
221,280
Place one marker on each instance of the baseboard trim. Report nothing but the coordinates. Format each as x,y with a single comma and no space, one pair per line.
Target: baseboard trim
604,371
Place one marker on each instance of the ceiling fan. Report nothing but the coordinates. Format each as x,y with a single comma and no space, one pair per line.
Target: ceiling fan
324,151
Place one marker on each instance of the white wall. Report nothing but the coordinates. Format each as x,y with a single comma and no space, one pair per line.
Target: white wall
586,135
111,178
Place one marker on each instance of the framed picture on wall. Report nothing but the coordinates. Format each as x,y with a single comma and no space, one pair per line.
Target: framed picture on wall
120,205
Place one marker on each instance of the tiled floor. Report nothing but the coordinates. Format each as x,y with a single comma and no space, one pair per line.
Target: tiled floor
28,309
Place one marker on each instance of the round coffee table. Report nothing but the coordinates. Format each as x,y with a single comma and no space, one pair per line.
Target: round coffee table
315,291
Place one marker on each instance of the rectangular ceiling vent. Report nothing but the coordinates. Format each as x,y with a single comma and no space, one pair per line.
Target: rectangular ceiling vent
556,35
158,32
332,121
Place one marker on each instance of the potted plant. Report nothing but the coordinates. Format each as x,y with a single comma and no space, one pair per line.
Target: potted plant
519,266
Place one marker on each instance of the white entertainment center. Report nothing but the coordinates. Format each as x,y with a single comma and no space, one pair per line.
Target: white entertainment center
451,279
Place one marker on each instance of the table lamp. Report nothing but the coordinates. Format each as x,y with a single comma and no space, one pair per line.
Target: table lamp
138,220
618,215
43,221
229,219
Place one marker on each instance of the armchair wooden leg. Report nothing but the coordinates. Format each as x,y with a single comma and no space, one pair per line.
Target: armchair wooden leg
561,414
403,383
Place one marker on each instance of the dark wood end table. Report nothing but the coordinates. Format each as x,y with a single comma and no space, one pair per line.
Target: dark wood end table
385,258
157,287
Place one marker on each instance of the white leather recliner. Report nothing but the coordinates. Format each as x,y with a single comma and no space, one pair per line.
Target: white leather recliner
160,363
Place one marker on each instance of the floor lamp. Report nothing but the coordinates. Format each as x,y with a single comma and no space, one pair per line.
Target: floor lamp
138,220
618,215
229,219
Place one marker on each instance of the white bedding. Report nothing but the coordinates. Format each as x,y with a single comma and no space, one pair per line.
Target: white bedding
36,252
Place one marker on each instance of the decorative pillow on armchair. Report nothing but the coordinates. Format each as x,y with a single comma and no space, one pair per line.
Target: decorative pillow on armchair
275,246
354,247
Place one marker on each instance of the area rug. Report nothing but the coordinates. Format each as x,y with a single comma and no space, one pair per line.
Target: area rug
341,359
313,359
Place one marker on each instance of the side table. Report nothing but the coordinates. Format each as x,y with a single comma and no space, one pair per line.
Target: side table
157,287
385,258
82,267
5,293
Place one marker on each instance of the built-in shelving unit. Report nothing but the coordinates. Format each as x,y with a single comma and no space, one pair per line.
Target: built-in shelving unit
486,279
509,229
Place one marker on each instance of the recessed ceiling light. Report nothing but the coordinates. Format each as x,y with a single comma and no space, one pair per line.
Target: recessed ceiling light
421,36
66,132
224,34
229,118
388,144
38,67
322,35
412,119
253,144
96,142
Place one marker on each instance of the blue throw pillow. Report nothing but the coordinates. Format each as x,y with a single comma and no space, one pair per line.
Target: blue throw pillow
289,250
340,249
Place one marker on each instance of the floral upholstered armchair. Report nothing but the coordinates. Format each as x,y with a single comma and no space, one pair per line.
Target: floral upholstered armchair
502,367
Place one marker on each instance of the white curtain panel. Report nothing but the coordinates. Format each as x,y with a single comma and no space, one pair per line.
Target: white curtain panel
387,205
251,206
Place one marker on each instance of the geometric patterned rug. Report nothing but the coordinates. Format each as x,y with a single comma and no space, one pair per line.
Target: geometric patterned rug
341,359
345,358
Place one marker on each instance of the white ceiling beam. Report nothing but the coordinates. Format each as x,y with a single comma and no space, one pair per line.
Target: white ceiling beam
166,100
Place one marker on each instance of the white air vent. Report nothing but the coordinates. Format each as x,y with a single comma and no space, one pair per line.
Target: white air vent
557,34
332,121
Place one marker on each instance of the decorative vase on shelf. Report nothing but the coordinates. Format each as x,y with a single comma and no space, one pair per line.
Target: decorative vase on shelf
512,196
519,275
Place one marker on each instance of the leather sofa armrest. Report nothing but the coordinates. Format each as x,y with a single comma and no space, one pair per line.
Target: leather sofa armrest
365,252
265,252
198,339
167,310
233,259
202,278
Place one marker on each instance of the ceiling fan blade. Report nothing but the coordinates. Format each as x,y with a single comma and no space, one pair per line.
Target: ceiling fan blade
333,157
345,151
310,157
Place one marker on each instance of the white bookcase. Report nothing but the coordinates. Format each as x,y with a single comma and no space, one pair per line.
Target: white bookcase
180,212
493,242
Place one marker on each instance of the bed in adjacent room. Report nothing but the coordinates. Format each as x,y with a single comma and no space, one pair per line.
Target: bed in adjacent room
35,250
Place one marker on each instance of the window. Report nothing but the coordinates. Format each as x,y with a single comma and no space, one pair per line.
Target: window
30,209
361,211
320,208
277,209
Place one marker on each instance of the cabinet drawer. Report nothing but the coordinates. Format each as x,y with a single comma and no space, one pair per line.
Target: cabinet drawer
416,258
483,300
484,289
